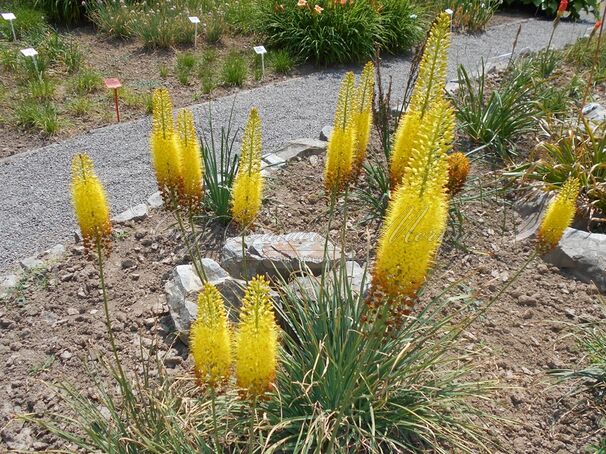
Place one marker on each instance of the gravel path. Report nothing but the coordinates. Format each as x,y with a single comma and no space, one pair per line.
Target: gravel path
35,211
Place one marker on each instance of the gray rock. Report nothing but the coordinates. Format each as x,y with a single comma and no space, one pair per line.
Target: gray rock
583,255
31,263
274,255
56,252
301,148
7,283
182,293
531,209
272,161
358,278
325,133
594,112
136,213
155,200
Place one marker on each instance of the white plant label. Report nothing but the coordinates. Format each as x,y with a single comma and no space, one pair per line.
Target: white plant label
29,52
260,50
8,16
449,11
194,19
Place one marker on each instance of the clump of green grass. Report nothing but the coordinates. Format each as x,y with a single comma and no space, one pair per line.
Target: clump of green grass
186,62
164,71
39,116
207,79
281,61
87,81
234,70
72,58
214,30
81,106
29,22
41,89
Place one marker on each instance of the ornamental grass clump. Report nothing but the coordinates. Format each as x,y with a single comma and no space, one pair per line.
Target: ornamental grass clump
362,116
256,341
165,150
458,170
90,204
428,90
342,142
192,168
416,217
560,214
247,188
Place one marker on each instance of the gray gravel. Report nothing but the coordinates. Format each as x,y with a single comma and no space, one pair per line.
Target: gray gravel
35,210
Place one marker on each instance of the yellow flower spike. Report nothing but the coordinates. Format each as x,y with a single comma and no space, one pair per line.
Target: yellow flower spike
458,170
405,138
559,216
209,338
432,69
342,142
416,217
362,117
192,170
247,190
256,340
90,204
165,150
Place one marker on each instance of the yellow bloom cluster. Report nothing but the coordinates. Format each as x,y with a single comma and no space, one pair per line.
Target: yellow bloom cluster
559,216
90,204
209,341
175,156
428,90
256,340
417,215
362,116
458,170
247,190
350,135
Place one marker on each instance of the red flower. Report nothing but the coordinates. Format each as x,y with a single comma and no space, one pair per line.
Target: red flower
563,6
597,25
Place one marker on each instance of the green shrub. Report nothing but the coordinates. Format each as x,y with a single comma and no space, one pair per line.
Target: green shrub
113,17
578,152
471,15
497,118
340,33
550,7
234,69
343,379
62,11
39,116
281,61
81,106
185,63
28,22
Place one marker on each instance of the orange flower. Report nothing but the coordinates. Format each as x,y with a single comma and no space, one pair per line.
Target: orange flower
563,6
597,25
318,9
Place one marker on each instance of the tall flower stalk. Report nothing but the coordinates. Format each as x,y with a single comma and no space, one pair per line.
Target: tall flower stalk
210,345
256,346
247,190
192,167
362,116
416,218
427,92
342,142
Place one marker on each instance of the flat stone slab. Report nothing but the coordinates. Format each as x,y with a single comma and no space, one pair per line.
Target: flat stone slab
594,112
583,255
301,148
136,213
274,255
182,293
